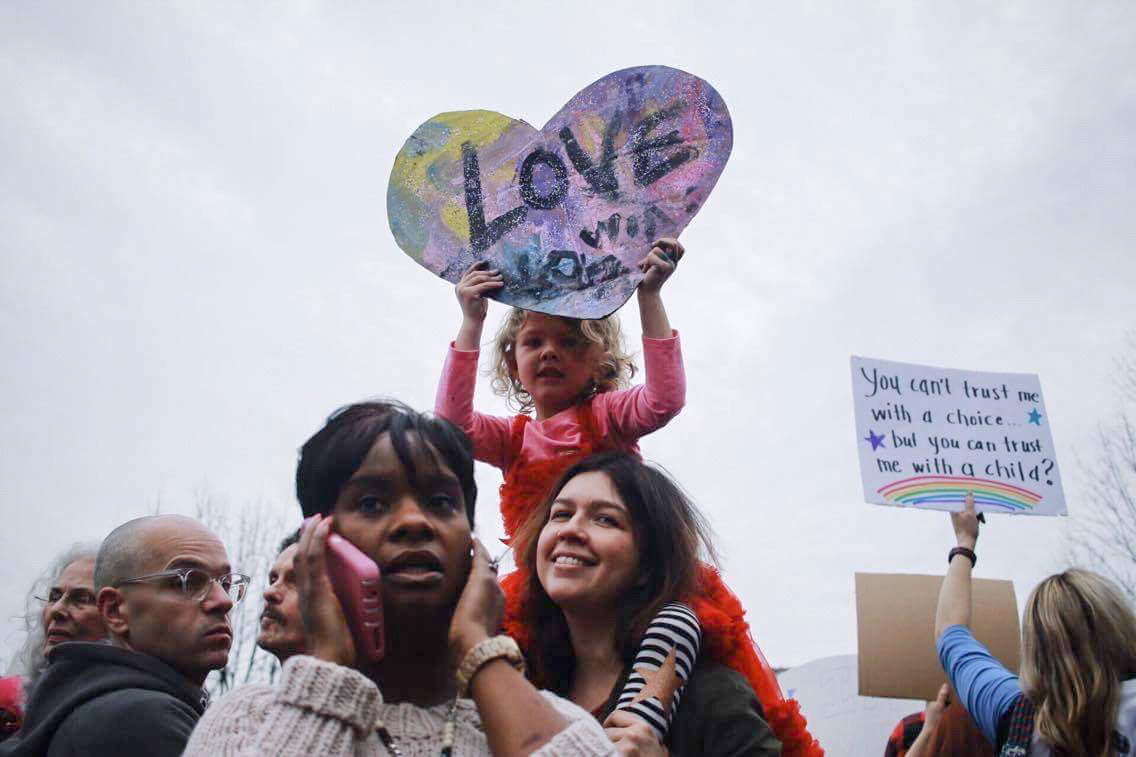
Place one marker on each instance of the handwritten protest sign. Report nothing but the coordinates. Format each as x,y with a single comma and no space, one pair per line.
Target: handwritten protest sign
926,436
564,213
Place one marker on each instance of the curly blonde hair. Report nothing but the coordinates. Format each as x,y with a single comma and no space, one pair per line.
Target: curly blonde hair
1077,647
612,367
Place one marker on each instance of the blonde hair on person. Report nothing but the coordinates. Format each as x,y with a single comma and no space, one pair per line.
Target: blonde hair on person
1078,644
612,367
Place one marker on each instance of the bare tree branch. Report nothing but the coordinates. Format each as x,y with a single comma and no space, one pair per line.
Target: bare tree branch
250,534
1104,536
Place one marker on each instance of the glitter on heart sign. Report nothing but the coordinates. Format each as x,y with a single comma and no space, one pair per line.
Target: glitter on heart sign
564,213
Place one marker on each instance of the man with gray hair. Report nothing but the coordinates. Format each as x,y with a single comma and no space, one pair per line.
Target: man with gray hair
164,589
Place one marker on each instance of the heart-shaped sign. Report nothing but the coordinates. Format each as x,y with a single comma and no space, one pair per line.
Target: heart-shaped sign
566,212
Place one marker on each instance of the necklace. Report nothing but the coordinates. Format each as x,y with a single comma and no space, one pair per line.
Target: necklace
447,733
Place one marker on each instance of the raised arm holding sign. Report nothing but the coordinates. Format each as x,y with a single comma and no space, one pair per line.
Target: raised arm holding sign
1077,690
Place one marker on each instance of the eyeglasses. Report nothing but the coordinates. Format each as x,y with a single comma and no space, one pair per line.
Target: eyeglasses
195,584
77,598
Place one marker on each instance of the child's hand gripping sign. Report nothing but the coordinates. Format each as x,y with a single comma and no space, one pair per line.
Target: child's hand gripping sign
564,213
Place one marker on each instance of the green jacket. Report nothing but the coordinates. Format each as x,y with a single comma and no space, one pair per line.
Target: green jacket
718,716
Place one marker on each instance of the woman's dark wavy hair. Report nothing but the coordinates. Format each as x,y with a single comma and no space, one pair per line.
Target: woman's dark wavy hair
335,452
672,535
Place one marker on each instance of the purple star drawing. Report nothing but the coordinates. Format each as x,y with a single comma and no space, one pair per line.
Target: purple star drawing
1035,417
876,440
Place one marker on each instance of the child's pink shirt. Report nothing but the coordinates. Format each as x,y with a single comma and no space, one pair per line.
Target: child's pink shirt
621,417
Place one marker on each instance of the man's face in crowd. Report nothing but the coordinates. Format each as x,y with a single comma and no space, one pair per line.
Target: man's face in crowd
158,619
281,629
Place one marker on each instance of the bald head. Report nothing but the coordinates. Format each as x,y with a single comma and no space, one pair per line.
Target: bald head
135,547
155,615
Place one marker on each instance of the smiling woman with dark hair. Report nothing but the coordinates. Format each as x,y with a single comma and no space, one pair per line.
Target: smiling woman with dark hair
399,486
614,542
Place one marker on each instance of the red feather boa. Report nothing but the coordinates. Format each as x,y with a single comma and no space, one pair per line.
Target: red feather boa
725,632
725,639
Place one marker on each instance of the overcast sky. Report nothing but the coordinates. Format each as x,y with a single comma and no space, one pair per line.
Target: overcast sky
196,265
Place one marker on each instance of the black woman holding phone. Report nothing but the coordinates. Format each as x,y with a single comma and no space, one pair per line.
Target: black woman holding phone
399,486
614,543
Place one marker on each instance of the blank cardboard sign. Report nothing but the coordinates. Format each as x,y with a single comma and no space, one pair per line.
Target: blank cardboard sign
895,621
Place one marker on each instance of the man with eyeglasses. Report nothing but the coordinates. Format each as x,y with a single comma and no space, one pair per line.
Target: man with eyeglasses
164,588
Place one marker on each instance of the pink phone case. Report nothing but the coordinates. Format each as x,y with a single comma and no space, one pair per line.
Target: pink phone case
356,580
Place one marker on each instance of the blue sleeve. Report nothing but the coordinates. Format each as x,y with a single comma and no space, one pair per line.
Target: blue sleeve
986,687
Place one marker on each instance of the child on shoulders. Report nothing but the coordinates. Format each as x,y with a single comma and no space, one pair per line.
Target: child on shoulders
569,379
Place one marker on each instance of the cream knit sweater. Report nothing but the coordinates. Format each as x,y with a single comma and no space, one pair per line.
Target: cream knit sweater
320,708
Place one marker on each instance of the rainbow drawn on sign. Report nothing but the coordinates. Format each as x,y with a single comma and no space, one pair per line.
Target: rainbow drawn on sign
922,490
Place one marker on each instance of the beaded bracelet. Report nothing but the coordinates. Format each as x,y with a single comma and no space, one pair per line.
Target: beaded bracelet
968,553
484,652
